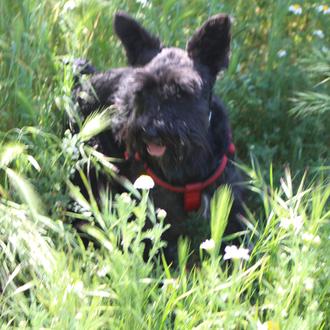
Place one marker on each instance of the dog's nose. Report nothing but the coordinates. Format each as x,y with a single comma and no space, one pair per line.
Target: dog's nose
150,132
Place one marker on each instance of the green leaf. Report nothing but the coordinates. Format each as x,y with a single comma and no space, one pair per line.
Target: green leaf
95,123
9,152
26,192
221,204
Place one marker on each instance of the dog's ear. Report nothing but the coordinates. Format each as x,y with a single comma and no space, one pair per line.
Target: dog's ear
210,44
140,45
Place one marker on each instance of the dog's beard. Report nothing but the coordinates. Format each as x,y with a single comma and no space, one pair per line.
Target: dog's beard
178,156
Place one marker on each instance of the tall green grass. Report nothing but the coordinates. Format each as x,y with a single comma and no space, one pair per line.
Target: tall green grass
276,89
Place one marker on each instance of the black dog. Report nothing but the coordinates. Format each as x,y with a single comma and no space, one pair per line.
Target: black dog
167,121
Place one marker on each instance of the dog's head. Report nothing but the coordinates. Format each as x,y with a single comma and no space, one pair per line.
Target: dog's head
166,99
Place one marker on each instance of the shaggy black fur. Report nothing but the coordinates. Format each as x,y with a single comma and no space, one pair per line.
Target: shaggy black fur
166,111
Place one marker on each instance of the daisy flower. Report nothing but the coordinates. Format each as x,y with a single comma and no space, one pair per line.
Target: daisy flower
324,9
295,9
318,33
310,238
144,182
296,222
232,252
208,245
281,53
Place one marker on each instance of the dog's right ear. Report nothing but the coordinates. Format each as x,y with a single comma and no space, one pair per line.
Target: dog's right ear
140,45
210,44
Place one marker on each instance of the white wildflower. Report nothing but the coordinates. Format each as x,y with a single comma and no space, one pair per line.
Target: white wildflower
144,182
103,271
313,306
310,238
319,34
147,280
22,324
280,291
170,282
324,9
78,289
126,198
294,221
208,245
295,9
307,237
309,284
285,223
232,252
161,214
69,145
262,326
282,53
297,222
143,3
304,249
79,316
317,240
284,313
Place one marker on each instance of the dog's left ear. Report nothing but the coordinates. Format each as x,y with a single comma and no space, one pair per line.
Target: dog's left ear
210,44
140,45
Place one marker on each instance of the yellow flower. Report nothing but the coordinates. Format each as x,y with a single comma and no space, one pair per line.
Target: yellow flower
272,325
269,325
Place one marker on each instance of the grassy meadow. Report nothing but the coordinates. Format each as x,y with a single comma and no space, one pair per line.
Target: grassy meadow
277,90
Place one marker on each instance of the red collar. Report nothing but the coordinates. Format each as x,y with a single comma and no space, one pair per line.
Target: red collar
192,192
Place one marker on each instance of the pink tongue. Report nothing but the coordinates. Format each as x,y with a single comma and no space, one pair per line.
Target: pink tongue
156,150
